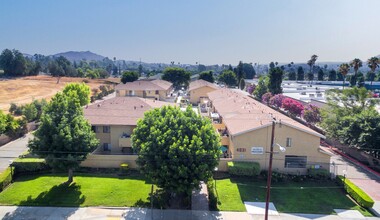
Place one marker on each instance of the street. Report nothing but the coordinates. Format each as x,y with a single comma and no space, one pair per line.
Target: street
12,150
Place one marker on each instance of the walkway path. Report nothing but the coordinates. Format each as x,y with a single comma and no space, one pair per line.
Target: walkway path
199,200
12,150
55,213
359,174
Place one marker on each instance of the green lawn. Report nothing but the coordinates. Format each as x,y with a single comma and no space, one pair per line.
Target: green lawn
87,190
290,197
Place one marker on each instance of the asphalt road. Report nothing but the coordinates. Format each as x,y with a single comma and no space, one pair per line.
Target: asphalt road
12,150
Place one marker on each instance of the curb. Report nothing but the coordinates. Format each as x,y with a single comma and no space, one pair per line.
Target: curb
352,159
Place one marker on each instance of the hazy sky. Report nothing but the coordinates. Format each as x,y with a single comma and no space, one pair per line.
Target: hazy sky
205,31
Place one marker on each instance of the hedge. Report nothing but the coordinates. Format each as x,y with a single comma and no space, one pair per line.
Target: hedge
5,178
212,197
243,168
30,165
319,174
355,192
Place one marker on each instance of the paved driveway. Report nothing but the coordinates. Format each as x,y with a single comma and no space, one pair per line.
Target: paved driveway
12,150
369,182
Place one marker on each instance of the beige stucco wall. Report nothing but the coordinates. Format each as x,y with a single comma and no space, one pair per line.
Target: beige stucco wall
162,94
303,144
198,93
109,161
112,138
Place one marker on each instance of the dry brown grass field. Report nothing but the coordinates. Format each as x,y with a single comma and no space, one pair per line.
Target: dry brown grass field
26,89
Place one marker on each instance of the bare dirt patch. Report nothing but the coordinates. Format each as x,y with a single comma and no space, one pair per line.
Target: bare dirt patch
26,89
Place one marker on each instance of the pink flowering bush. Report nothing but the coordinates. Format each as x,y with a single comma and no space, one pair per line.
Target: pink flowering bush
251,88
311,114
294,107
266,97
276,100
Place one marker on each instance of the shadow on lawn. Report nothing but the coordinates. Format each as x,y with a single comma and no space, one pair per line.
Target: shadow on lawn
60,195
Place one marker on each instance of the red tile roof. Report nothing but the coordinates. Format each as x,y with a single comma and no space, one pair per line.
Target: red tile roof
201,83
242,113
142,85
120,110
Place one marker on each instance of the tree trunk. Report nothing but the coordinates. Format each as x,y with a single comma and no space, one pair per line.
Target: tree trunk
58,79
70,179
344,81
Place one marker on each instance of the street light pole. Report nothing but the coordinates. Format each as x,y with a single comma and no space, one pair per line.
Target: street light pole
269,170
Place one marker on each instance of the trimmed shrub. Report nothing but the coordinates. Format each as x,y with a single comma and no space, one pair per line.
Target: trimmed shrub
212,197
318,174
243,168
30,165
355,192
124,168
5,178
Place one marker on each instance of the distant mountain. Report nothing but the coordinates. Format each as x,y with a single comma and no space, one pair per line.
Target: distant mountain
80,55
27,55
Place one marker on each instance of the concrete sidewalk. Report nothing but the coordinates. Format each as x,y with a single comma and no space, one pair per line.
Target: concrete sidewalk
57,213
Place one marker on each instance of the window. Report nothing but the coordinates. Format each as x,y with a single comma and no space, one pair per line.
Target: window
94,129
106,129
106,147
288,142
156,92
295,161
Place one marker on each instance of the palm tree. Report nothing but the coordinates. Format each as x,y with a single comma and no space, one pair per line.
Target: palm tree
343,69
356,64
311,63
373,63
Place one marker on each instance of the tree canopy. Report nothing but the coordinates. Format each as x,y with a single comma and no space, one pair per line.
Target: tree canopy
228,77
249,71
300,74
177,76
207,76
275,80
354,121
262,87
81,90
176,149
129,76
64,137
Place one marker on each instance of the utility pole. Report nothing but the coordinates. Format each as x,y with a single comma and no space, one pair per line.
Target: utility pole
270,170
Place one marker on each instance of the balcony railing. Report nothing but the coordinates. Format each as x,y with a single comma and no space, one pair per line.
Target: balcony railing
225,140
125,142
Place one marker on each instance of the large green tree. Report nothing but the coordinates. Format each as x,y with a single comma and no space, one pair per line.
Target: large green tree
64,137
321,74
81,90
129,76
177,76
207,76
239,71
351,118
262,87
373,63
176,149
356,64
3,122
13,63
275,80
300,74
228,77
332,75
249,71
311,64
343,69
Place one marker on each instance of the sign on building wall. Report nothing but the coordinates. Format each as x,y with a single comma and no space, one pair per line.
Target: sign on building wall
257,150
